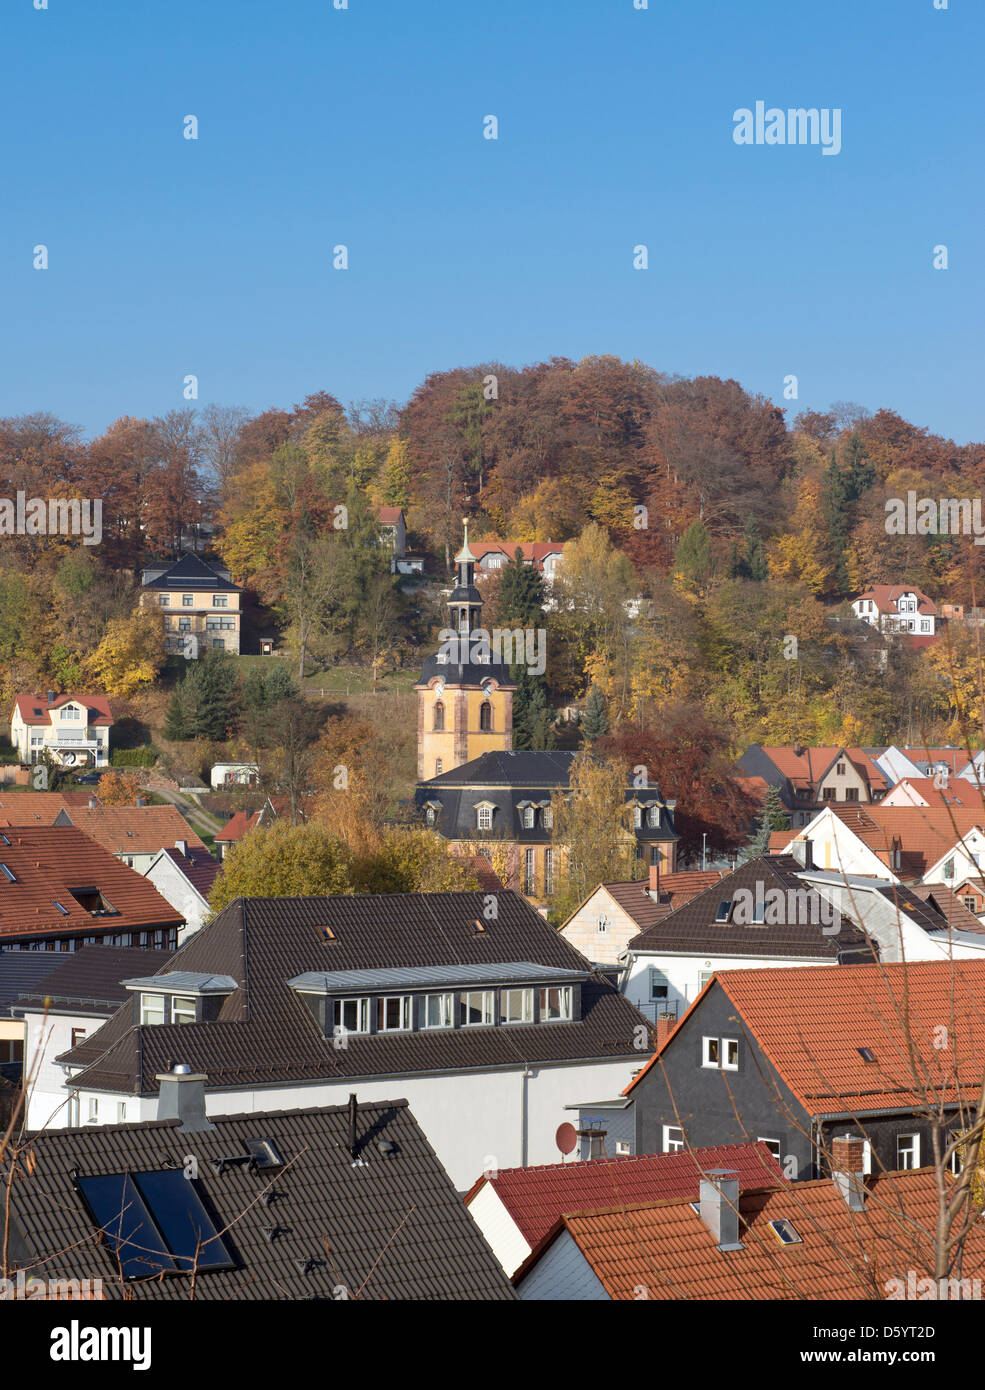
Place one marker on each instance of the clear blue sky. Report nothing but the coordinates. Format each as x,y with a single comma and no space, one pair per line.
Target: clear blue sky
364,127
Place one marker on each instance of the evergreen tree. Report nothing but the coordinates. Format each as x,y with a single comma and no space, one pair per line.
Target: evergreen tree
217,697
753,562
773,818
179,722
520,594
692,558
596,720
533,719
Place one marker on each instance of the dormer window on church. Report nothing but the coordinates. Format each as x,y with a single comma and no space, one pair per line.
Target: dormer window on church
528,817
484,817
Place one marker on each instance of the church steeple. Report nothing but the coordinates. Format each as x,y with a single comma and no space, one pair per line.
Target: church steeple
465,601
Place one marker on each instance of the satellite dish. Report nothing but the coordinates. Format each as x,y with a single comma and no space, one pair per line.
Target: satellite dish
566,1138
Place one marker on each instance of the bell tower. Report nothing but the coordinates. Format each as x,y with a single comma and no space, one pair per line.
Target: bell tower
464,700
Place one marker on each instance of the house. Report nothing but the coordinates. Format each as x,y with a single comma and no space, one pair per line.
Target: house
909,843
240,822
40,808
899,608
59,891
73,729
135,834
796,1057
492,556
844,1237
199,603
19,971
760,915
77,993
515,1208
233,774
898,763
808,779
477,1012
499,805
184,875
604,924
338,1203
393,530
939,790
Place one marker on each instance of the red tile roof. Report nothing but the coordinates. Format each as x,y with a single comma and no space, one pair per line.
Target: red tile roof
34,708
198,866
48,864
810,1023
924,833
959,792
885,596
536,1197
668,1251
808,767
389,516
37,808
950,906
237,826
134,829
534,551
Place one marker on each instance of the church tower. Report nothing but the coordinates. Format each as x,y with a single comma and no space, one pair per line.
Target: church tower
464,701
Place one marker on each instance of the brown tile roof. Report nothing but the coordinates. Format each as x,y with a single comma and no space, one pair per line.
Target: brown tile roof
237,826
950,906
807,768
134,829
389,516
265,1034
675,889
536,1197
34,708
390,1228
810,1023
89,979
198,866
886,595
48,862
668,1250
37,808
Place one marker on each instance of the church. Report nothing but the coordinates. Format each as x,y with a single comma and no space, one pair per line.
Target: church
475,789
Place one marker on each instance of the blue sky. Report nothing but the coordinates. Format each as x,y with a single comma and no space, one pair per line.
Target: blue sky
364,127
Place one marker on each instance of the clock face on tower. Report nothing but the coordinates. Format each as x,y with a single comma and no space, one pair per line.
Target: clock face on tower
487,689
439,689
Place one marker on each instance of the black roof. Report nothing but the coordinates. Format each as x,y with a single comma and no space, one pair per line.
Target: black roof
509,779
265,1034
692,927
88,981
190,572
20,971
465,673
389,1227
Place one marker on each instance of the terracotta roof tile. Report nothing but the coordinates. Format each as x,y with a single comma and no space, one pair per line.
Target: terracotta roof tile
134,829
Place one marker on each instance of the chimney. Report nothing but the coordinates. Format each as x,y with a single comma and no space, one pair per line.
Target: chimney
182,847
51,697
718,1207
803,851
93,804
847,1169
654,884
353,1112
141,801
666,1023
182,1097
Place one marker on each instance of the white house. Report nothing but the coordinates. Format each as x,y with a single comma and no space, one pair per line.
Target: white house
74,729
965,859
897,608
227,774
184,877
828,842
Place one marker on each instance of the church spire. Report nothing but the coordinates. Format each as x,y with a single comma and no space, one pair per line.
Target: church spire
466,601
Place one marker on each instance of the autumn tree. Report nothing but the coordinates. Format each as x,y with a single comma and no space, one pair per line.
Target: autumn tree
282,861
591,829
130,654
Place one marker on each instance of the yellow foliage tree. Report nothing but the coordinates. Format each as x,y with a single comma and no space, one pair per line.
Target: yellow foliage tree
118,788
283,861
130,654
413,861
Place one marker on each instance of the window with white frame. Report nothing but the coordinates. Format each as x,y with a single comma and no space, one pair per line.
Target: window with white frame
517,1005
673,1139
220,600
555,1003
188,600
351,1015
602,924
528,818
182,1009
549,884
121,1112
637,817
722,1053
93,1109
477,1007
772,1144
152,1009
547,818
70,712
653,816
659,985
165,600
483,817
908,1151
393,1013
439,1010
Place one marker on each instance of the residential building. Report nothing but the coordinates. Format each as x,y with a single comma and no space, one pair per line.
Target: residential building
234,774
477,1012
19,971
335,1203
604,924
760,915
77,993
795,1057
199,603
73,729
808,779
242,821
898,763
184,875
939,790
899,608
915,842
844,1237
59,891
500,805
135,834
515,1208
492,556
40,808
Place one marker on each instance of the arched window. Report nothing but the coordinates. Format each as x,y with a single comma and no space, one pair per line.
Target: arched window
485,715
528,817
439,715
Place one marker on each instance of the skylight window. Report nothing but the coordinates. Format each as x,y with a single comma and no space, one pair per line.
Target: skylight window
866,1054
62,910
784,1232
8,873
155,1223
724,908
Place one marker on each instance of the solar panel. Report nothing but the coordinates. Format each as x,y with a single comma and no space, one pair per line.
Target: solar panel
155,1222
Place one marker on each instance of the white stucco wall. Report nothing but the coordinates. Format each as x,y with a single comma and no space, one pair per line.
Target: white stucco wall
499,1228
172,885
562,1274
